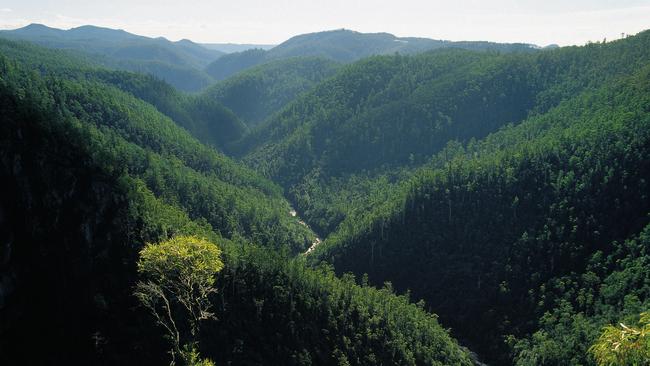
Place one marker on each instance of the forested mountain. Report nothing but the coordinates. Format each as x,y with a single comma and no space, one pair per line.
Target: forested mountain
179,63
90,172
346,46
233,63
118,44
383,116
520,225
257,93
503,184
206,119
525,242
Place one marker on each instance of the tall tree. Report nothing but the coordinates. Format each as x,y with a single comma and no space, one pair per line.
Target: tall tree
178,278
624,345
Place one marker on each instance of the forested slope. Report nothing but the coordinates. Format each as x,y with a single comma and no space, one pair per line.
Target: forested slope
204,118
508,189
257,93
90,173
152,147
384,116
534,237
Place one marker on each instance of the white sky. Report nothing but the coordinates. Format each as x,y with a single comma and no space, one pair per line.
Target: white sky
272,21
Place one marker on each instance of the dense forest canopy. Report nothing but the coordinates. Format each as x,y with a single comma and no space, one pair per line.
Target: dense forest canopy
379,118
453,164
257,93
517,227
91,173
206,118
364,199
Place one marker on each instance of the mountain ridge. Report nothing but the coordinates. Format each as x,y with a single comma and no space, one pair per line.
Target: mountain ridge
92,173
343,45
179,63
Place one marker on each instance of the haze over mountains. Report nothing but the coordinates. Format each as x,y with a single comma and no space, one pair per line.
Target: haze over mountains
235,47
179,63
378,200
191,67
346,46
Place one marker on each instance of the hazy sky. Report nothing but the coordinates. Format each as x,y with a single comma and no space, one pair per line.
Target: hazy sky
272,21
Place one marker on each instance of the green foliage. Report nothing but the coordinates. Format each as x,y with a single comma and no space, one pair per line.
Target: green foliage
623,345
614,287
126,134
178,279
185,78
192,357
527,223
93,173
184,262
259,92
509,191
386,116
205,118
276,310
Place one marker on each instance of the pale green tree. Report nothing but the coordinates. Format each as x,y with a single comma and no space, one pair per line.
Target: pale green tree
178,277
624,345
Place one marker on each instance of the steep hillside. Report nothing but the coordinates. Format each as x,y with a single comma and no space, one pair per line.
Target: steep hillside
278,311
152,147
233,63
205,119
533,237
91,173
346,46
506,188
179,63
390,114
259,92
185,78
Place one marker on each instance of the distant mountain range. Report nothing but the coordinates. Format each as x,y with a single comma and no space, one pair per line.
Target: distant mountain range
347,46
191,66
179,63
504,187
236,47
119,44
